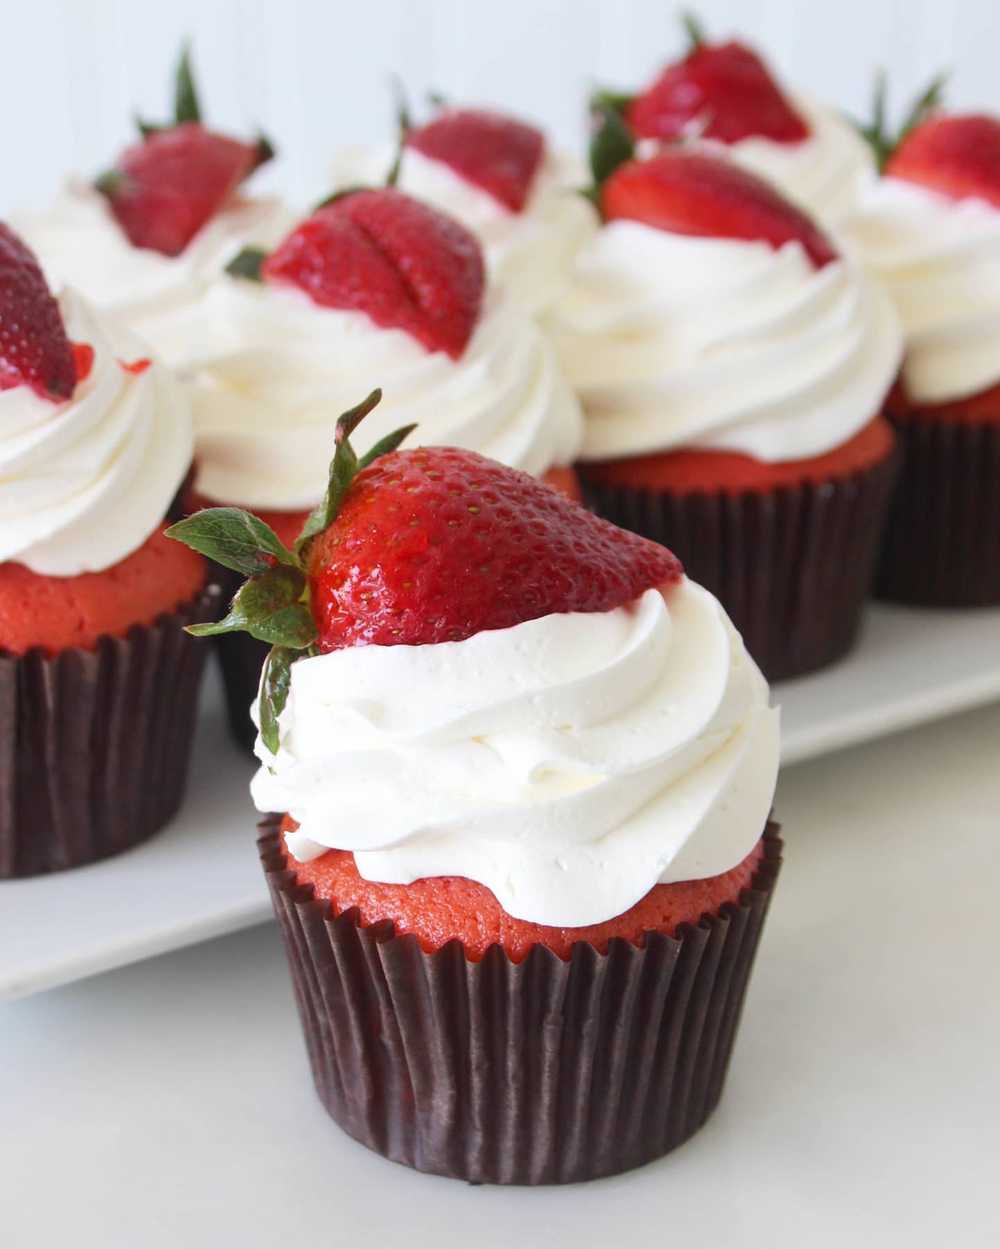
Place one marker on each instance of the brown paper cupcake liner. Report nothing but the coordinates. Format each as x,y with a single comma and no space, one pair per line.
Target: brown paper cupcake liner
96,743
942,540
540,1072
792,566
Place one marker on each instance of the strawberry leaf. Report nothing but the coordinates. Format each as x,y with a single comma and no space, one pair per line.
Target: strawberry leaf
274,682
147,128
341,194
269,608
110,183
344,467
234,538
611,144
404,123
693,28
384,445
876,132
186,107
247,263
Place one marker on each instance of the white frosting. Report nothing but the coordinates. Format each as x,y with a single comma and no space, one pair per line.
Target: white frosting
940,259
274,370
568,764
673,340
80,244
826,173
529,252
84,483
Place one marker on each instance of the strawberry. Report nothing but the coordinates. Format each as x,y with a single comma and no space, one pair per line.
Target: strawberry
957,156
723,89
412,548
404,264
687,191
166,188
496,153
34,348
436,544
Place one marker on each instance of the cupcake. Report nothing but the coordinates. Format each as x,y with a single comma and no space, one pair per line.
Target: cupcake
374,283
930,229
501,180
525,851
145,238
98,682
726,94
732,366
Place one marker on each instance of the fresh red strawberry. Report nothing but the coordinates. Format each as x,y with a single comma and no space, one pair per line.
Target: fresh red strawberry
687,191
411,548
380,252
436,544
958,156
495,153
723,88
166,188
34,349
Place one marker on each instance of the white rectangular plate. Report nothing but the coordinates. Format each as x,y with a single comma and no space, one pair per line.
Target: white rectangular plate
200,877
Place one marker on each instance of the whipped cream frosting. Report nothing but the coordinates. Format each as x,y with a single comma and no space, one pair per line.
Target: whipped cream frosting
529,252
274,370
679,341
568,764
85,482
79,243
940,260
826,173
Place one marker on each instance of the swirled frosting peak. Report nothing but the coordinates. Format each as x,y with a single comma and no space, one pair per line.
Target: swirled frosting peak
569,763
274,370
85,482
940,260
679,341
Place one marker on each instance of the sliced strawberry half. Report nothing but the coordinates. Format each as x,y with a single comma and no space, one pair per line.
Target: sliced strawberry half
957,156
165,189
34,348
498,154
688,191
724,89
404,264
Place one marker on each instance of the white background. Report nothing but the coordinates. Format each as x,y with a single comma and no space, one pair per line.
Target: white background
314,73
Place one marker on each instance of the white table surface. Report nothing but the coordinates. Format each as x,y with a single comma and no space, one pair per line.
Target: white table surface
168,1104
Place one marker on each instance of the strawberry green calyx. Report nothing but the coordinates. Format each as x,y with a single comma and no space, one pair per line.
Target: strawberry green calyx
694,29
273,604
186,105
877,133
611,143
404,124
247,264
345,466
